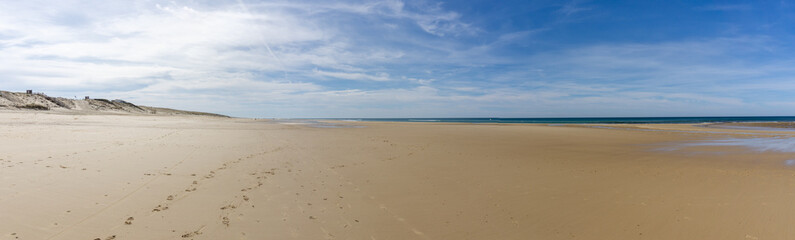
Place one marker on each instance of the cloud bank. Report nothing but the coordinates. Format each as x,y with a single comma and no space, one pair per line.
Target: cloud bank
376,59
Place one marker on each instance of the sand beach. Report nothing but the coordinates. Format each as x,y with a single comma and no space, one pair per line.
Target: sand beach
73,176
397,120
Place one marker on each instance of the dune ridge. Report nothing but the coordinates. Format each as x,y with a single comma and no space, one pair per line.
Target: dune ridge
43,102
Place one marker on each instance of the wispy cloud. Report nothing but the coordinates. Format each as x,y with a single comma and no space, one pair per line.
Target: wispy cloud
572,7
430,17
725,7
354,76
384,58
160,48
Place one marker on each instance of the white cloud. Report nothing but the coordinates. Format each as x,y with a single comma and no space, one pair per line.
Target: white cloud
354,76
176,40
173,51
324,59
704,62
419,81
430,17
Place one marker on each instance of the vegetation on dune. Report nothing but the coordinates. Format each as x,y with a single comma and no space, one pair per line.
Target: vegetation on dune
35,106
57,101
103,100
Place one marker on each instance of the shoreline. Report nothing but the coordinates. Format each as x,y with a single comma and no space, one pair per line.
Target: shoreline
761,125
573,120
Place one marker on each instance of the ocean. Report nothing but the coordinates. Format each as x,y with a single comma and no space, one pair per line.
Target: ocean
599,120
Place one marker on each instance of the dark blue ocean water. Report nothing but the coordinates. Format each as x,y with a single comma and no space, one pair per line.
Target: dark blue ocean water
583,120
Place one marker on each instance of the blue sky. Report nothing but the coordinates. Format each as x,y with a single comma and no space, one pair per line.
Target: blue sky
409,58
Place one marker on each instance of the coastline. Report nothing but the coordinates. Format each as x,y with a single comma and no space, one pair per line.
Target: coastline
178,177
758,125
578,120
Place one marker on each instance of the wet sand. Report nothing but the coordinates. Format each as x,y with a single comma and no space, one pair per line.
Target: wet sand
153,177
778,125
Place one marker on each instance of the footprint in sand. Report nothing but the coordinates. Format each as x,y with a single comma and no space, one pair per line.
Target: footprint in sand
193,234
225,221
160,208
129,221
230,206
107,238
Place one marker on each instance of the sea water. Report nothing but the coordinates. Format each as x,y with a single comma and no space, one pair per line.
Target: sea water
769,144
599,120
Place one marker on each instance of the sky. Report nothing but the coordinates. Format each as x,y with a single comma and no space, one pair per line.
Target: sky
392,58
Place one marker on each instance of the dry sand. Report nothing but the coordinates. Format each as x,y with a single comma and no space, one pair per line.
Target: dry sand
155,177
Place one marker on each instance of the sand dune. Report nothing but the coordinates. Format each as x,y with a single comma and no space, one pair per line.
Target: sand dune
191,177
42,102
